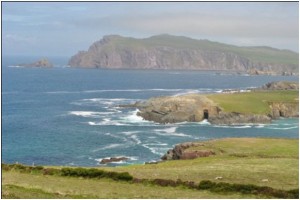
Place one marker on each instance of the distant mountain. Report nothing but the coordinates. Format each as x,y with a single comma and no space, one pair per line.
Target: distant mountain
182,53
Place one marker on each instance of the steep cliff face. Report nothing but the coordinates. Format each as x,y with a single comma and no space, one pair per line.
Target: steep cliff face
173,52
284,109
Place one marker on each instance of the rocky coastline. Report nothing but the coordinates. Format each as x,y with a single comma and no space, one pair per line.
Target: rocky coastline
197,107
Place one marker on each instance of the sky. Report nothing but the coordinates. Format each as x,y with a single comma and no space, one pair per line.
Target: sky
64,28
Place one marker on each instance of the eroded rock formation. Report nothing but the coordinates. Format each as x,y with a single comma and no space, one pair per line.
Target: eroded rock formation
191,108
182,152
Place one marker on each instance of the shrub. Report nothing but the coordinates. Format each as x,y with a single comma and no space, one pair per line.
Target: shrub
164,182
5,167
51,171
95,173
248,189
205,185
124,176
294,194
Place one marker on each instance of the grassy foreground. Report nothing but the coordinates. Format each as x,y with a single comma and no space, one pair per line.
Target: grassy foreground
254,102
242,163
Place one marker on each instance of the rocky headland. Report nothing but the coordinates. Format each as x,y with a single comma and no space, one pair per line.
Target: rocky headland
42,63
182,53
197,107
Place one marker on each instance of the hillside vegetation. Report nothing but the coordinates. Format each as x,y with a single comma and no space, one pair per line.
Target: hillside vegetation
245,167
178,52
254,102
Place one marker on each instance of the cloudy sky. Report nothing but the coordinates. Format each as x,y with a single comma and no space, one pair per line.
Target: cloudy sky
63,28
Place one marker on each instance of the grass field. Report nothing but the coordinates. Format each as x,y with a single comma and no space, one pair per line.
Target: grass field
237,160
255,102
262,162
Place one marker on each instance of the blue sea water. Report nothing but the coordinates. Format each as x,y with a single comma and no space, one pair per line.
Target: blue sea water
67,116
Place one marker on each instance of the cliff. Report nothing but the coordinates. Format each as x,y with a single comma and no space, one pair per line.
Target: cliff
176,52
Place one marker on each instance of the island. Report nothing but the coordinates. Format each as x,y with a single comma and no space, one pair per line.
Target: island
42,63
168,52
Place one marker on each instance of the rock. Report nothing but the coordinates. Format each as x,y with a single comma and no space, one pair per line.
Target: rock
265,180
182,152
43,63
109,160
191,108
175,52
284,109
234,118
281,85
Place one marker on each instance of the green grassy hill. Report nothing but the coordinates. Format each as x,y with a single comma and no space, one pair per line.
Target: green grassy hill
182,53
257,54
248,167
254,102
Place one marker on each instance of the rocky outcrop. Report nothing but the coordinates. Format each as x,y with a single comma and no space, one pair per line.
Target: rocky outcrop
281,85
181,152
284,109
233,118
43,63
196,108
190,108
110,160
193,108
173,52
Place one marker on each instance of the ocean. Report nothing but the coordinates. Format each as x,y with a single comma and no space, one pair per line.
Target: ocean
70,117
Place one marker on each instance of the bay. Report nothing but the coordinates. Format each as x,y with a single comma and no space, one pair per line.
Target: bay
67,116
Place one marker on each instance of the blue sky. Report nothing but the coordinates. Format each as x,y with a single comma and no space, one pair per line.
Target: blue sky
63,28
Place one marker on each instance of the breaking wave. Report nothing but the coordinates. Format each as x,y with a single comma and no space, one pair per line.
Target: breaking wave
89,113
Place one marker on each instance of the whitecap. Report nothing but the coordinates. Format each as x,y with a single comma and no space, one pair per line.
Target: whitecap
133,117
287,128
130,132
116,136
232,126
156,150
136,139
106,122
89,113
110,146
157,144
260,126
15,66
204,122
169,131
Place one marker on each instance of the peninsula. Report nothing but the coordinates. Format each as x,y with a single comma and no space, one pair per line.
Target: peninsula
169,52
271,101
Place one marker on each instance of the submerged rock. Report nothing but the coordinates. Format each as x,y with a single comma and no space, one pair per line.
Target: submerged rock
110,160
